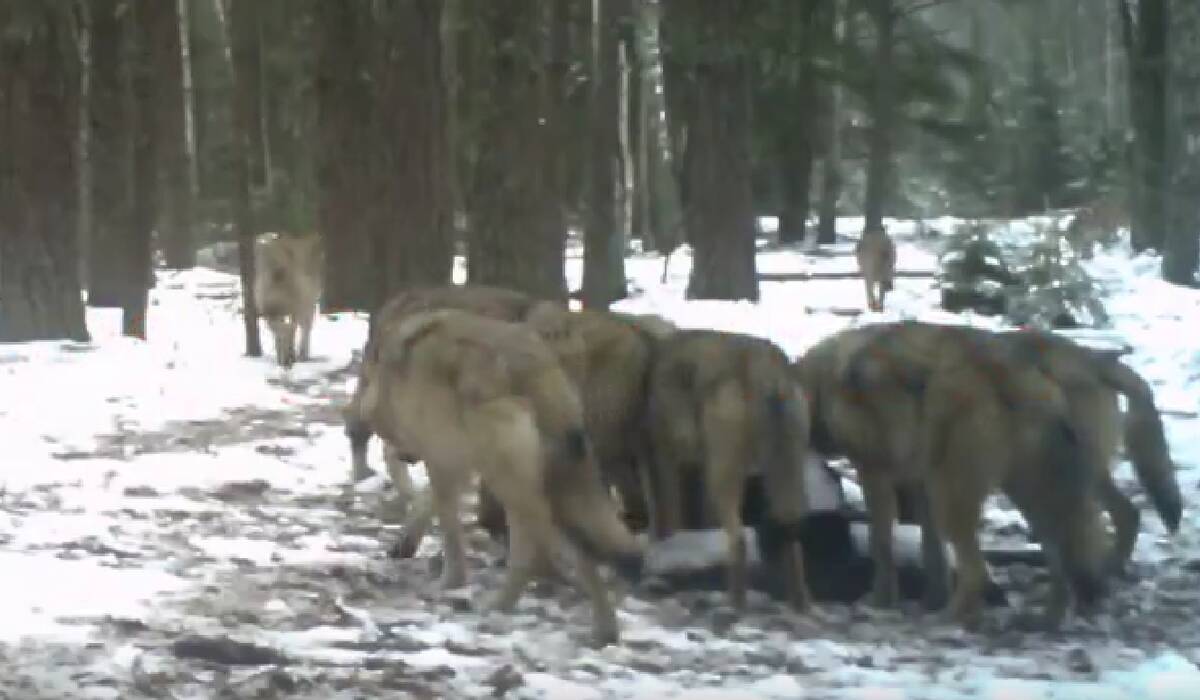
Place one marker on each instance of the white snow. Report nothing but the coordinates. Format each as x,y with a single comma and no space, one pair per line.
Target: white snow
97,523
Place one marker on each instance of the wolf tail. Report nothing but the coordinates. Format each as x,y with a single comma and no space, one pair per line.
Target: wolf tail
579,503
1145,441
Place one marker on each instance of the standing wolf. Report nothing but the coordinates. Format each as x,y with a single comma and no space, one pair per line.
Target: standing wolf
492,302
1091,381
724,403
475,395
287,287
876,255
873,386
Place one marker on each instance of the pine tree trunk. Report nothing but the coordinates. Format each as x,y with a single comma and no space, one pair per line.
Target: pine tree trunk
796,175
829,129
1182,250
40,298
162,27
665,209
603,255
344,100
718,202
110,269
517,234
184,10
882,108
84,142
1146,43
413,235
243,41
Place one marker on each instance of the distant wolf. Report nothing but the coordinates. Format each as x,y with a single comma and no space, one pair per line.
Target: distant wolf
476,395
287,287
1097,221
725,404
876,255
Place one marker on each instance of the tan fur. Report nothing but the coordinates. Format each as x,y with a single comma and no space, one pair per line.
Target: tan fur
287,287
983,417
1091,381
876,255
724,403
475,395
491,302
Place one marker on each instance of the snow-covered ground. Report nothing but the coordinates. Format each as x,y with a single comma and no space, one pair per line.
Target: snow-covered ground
150,492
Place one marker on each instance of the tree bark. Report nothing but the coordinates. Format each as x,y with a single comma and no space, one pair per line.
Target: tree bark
40,298
183,8
882,109
666,216
517,235
718,206
343,151
162,33
829,129
1182,250
603,254
83,11
412,235
113,248
243,41
796,176
1146,44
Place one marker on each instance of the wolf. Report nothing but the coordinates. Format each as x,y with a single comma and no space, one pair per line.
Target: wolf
474,395
725,403
492,302
874,381
876,255
287,287
1092,380
1097,221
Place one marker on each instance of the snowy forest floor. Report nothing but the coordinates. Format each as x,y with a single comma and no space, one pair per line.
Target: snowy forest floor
157,494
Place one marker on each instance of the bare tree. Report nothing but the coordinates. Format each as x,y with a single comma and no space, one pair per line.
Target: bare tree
518,229
40,298
604,250
1182,250
243,41
711,79
882,110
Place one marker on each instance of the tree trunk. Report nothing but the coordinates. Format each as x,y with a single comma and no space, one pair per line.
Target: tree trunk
343,150
84,144
665,209
827,21
184,9
162,27
603,255
40,298
1146,43
798,142
882,110
517,235
796,176
243,41
1182,250
414,246
114,242
718,206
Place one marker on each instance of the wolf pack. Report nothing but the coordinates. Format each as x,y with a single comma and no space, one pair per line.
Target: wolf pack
578,428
